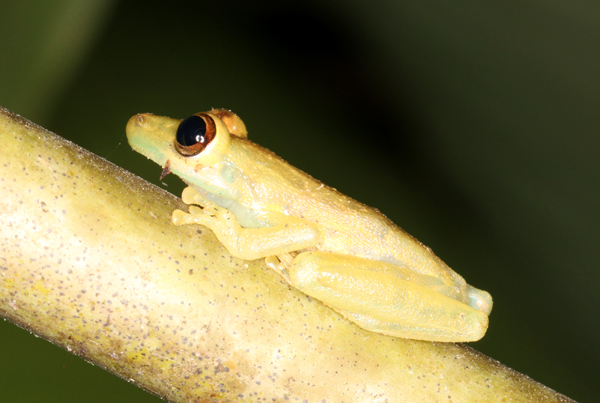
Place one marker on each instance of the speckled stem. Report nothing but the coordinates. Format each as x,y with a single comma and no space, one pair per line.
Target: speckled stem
91,261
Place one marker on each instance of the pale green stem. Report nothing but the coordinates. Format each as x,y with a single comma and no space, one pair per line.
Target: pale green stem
91,261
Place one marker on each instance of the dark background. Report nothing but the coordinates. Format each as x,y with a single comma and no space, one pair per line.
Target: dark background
473,125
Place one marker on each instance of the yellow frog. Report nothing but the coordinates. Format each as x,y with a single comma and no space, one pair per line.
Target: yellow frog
327,245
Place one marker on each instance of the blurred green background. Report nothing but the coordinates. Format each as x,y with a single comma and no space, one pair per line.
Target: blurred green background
473,125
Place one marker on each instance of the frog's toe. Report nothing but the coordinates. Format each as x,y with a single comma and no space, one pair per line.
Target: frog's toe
179,217
190,195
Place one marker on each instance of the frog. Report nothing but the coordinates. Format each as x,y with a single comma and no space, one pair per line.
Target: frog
321,242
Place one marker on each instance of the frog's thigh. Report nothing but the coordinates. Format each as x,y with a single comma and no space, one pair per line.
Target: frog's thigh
385,304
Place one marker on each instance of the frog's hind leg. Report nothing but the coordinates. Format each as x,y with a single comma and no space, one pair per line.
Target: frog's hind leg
384,303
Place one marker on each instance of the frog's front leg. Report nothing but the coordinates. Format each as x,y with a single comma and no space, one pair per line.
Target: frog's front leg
384,303
247,243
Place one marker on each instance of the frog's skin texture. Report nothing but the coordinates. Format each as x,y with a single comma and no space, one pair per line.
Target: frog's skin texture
329,246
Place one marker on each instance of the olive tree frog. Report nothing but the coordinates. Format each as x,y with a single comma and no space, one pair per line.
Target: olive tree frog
327,245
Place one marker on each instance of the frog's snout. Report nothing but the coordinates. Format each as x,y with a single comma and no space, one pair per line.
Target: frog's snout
137,126
137,120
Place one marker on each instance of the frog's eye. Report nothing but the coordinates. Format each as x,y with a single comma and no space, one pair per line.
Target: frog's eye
194,134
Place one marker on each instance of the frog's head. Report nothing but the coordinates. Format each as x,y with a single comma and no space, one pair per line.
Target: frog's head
195,149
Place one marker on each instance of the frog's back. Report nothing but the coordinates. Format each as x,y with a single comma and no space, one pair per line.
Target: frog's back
348,226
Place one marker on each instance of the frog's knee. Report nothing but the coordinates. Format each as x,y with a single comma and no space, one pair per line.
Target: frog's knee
480,300
306,268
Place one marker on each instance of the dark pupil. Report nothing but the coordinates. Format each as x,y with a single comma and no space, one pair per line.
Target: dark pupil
191,131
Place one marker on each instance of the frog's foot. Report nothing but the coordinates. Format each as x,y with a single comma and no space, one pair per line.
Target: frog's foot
220,220
196,215
216,218
201,210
